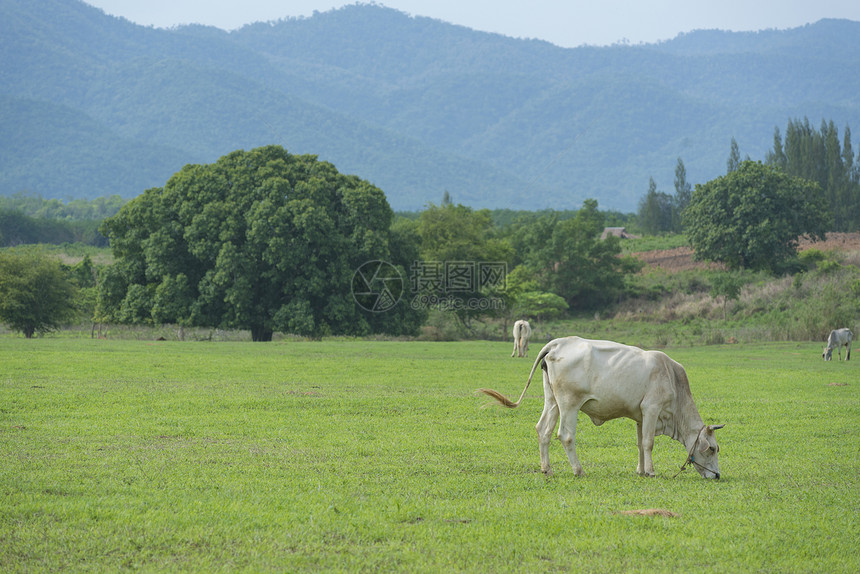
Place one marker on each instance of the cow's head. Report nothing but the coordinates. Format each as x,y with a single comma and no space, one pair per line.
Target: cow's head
827,354
704,454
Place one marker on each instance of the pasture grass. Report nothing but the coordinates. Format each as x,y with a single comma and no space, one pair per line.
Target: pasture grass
357,456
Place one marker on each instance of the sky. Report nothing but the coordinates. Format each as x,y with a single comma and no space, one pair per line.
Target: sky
567,23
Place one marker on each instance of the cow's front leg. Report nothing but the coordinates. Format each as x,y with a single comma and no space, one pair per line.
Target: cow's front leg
640,467
645,438
546,425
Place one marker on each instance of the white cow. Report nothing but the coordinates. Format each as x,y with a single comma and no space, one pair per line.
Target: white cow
837,339
522,332
608,380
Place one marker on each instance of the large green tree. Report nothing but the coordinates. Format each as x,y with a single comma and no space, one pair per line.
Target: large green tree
752,217
260,240
568,258
36,294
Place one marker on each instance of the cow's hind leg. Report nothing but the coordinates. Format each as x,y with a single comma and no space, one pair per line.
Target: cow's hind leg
567,436
546,425
568,412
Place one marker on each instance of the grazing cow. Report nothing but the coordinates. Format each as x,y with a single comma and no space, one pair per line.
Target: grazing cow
608,380
522,332
837,339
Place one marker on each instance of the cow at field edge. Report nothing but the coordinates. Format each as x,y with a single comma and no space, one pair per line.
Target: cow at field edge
522,333
608,380
837,339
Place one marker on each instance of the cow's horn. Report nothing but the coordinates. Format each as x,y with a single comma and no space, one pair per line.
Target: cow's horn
712,428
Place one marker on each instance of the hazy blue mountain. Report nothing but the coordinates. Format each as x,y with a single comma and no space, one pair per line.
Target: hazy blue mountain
95,105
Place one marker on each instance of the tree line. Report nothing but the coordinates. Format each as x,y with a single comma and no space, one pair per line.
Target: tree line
815,155
267,241
36,206
16,228
27,218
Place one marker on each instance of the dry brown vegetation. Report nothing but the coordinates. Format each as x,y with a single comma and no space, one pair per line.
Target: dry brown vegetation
804,306
681,258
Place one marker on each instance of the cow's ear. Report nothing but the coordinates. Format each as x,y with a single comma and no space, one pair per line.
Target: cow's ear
712,428
705,445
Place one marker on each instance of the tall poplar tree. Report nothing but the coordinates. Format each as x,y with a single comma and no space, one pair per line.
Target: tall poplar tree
776,157
656,210
816,155
683,194
734,157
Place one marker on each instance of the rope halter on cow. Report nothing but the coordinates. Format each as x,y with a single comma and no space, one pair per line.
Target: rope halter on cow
692,461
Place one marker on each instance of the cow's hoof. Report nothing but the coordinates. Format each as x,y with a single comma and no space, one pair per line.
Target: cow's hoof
547,472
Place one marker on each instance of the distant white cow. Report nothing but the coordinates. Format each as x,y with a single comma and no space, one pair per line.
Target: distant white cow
837,339
522,333
607,380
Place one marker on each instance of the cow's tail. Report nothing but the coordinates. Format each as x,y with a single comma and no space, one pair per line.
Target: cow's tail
505,401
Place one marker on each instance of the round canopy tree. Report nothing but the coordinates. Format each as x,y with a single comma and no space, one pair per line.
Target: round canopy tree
260,240
752,217
36,295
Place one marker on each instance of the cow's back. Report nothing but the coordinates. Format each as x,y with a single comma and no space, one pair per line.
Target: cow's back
604,379
594,361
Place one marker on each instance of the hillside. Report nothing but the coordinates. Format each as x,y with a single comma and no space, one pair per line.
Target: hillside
94,105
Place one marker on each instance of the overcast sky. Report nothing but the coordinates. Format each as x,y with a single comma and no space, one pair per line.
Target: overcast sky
566,23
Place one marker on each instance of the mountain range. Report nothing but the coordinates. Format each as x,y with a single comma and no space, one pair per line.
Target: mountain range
94,105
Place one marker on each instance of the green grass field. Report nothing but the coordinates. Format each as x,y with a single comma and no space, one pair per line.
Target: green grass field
358,456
